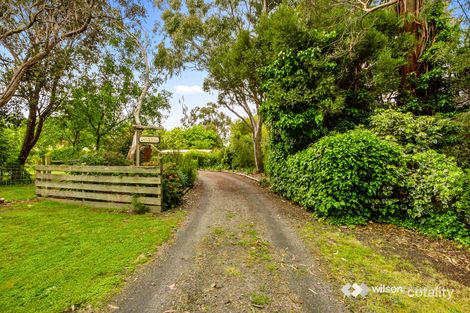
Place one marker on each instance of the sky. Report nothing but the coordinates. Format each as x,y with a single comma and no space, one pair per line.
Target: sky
186,87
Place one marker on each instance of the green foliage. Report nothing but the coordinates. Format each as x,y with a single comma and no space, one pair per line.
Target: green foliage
414,133
462,206
428,88
4,146
302,97
355,177
173,187
205,159
241,146
16,175
209,116
443,225
200,137
8,145
176,178
436,187
64,154
348,177
174,139
435,184
109,158
188,170
194,137
457,142
447,225
137,206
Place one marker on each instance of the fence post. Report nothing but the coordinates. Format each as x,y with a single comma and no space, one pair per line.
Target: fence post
137,152
160,156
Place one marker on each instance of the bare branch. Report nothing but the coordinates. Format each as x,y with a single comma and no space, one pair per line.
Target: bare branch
18,30
365,5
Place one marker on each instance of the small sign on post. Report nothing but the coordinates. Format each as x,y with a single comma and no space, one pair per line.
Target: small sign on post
149,139
144,139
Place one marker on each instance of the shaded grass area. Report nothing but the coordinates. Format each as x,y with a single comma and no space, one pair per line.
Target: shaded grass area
19,192
54,255
345,259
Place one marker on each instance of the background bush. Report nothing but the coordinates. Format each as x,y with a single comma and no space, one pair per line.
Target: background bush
108,158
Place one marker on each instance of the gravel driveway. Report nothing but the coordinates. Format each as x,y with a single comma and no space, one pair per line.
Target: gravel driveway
238,252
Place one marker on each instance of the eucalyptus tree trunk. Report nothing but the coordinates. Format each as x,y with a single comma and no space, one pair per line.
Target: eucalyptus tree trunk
257,141
410,10
145,88
415,24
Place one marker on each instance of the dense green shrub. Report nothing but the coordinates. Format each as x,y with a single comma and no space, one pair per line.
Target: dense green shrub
356,177
438,196
447,225
349,177
414,133
462,206
458,141
176,178
435,184
188,171
420,133
173,187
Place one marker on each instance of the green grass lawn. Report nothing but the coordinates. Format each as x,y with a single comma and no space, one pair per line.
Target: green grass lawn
345,259
55,255
20,192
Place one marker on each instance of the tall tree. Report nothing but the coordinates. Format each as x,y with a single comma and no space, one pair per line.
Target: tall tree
422,77
31,30
103,97
201,32
43,89
45,46
209,116
150,78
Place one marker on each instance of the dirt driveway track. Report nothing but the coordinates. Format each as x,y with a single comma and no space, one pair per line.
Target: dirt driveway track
238,252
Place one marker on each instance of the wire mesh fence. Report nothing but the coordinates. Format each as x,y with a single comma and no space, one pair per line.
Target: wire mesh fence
16,175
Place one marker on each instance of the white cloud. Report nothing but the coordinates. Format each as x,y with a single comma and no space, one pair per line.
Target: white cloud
188,90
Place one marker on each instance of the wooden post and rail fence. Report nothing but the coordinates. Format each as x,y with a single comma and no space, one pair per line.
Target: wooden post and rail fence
101,186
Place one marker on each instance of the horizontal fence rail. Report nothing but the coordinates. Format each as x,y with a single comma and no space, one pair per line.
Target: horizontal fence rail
101,186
